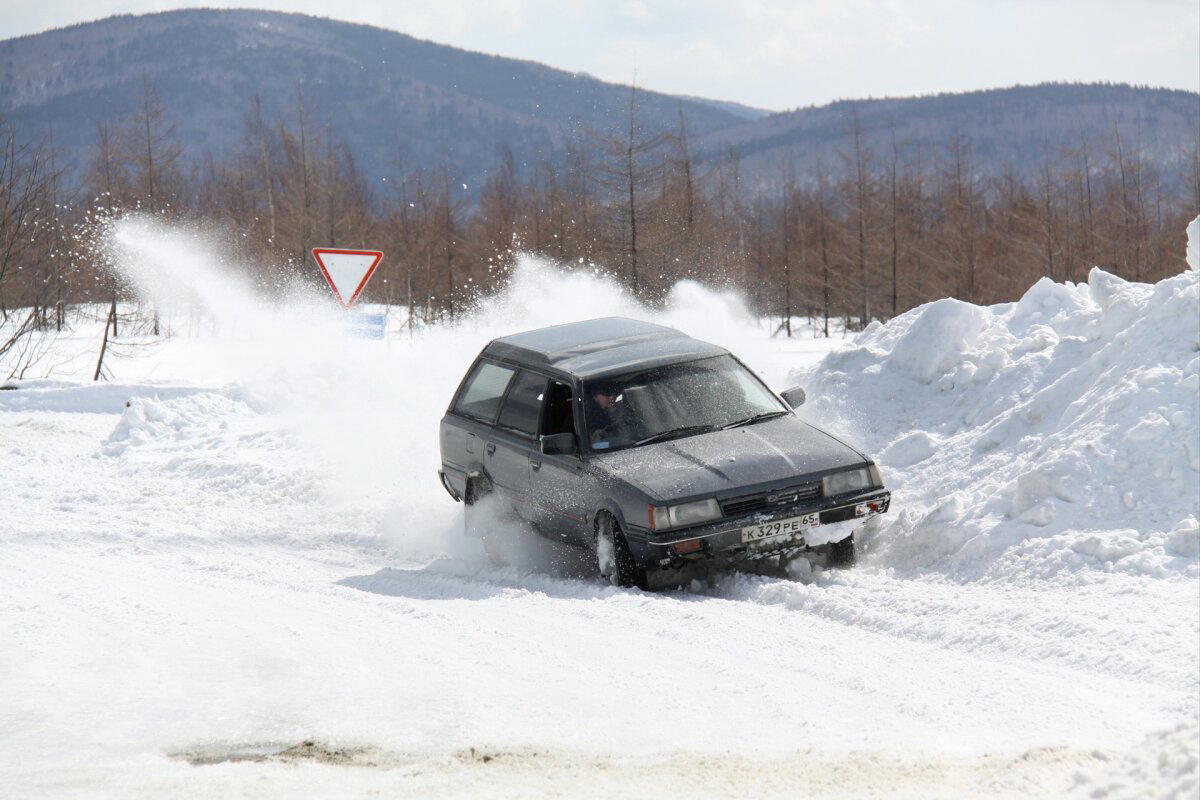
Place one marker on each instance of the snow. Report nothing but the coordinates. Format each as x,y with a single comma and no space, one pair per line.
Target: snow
238,546
1163,767
938,338
1193,245
1057,434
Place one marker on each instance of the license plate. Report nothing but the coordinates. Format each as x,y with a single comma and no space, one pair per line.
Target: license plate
780,527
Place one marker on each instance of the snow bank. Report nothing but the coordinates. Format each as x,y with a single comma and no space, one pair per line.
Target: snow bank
1056,433
94,398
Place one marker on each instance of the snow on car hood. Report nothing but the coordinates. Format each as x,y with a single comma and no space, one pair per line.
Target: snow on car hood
716,462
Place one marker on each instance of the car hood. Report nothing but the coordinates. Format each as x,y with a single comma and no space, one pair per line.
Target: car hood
712,463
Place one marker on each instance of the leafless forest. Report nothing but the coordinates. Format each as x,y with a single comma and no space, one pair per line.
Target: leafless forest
867,237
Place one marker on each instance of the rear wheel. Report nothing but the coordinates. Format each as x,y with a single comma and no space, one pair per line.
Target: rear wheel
475,525
614,561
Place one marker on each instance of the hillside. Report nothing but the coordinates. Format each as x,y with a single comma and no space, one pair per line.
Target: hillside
1014,126
388,95
394,98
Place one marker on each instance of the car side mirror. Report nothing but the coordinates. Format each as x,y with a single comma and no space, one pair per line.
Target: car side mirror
794,396
559,444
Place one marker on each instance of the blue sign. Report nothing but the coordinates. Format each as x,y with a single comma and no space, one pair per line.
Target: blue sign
366,326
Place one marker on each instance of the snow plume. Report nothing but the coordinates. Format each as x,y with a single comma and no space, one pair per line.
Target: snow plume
354,419
182,271
1056,434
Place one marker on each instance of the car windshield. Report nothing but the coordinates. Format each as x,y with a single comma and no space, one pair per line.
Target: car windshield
674,401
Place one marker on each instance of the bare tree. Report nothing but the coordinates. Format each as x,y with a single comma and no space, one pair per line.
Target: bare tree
625,176
153,152
862,191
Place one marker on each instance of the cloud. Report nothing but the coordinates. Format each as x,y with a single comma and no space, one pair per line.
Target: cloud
635,9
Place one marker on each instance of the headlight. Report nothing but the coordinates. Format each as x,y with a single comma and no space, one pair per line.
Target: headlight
684,514
854,480
691,513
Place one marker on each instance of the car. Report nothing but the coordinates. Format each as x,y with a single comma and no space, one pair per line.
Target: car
663,455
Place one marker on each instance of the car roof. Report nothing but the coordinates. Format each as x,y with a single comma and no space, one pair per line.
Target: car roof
604,346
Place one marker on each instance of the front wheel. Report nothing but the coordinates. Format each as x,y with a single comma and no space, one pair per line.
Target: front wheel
841,554
614,561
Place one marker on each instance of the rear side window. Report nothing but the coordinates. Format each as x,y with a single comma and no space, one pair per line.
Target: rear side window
524,403
485,387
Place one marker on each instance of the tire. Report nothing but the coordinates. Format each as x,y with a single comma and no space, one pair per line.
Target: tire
841,554
614,561
475,526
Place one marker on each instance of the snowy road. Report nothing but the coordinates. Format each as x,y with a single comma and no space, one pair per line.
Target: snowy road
219,557
252,648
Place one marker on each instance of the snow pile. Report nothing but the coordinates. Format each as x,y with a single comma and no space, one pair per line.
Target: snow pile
1056,433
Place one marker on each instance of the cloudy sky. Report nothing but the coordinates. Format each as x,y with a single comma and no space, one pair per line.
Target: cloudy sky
770,53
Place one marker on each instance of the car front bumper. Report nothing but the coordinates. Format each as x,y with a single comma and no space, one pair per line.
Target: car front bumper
720,543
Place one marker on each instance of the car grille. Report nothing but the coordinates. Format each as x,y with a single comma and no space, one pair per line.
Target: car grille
760,501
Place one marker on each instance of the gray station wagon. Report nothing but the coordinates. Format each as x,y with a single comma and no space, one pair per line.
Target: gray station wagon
662,454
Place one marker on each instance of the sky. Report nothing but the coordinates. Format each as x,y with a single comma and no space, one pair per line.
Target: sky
772,54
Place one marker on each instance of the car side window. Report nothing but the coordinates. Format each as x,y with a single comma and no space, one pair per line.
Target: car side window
523,403
481,396
559,416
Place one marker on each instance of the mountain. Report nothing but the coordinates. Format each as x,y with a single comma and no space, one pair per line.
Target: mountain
395,98
1018,127
739,110
388,95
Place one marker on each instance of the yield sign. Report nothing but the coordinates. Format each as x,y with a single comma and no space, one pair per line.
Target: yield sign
347,271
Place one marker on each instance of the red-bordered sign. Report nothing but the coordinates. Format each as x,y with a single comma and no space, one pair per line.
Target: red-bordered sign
347,271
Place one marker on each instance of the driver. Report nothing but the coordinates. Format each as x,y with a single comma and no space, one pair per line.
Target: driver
609,417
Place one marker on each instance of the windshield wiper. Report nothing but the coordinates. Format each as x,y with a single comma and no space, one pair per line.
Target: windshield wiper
755,418
675,433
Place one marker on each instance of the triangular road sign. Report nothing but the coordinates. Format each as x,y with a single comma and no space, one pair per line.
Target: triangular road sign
347,271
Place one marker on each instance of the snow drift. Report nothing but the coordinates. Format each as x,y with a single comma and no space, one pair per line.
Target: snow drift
1055,433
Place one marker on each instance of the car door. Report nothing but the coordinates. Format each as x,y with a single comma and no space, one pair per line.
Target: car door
513,439
556,490
468,425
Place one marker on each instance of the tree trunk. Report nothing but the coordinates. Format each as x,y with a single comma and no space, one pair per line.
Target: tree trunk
112,316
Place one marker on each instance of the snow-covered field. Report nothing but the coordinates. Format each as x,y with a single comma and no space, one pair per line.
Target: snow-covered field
230,569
